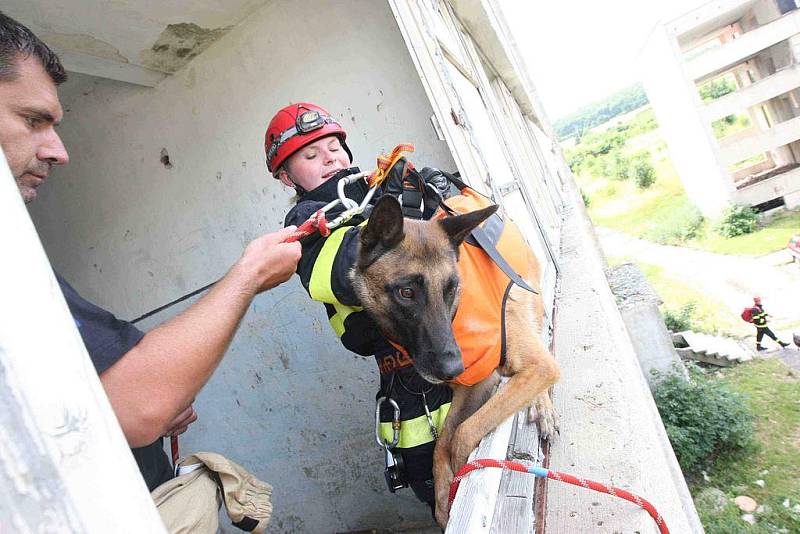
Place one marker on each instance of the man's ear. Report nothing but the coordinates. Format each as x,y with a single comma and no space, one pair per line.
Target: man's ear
458,227
383,232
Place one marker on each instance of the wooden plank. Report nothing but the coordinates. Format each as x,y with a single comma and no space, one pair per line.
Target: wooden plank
473,508
514,511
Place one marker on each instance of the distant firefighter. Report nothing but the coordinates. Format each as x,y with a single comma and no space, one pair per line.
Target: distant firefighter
759,318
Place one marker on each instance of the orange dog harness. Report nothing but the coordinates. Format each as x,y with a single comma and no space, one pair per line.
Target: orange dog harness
479,324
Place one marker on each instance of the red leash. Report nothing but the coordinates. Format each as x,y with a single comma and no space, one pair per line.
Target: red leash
314,223
561,477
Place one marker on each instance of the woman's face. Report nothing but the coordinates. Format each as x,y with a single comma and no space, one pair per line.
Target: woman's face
314,163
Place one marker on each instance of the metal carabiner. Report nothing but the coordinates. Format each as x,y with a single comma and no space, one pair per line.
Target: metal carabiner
395,423
351,207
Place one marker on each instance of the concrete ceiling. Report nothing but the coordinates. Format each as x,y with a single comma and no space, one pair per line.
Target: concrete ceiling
135,41
692,27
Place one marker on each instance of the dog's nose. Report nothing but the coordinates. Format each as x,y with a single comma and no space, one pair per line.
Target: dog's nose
450,365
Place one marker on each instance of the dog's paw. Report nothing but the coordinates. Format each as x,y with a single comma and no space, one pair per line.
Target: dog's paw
542,413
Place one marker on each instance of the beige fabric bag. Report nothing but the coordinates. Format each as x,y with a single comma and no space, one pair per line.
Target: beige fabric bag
189,502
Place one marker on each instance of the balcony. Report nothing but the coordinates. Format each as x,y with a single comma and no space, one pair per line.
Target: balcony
746,46
739,148
779,83
756,191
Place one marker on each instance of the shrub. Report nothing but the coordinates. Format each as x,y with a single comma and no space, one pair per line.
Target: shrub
586,199
737,220
685,222
643,170
704,419
620,167
680,319
717,88
575,160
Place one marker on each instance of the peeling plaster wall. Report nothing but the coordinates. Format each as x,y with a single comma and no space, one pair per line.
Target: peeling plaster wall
131,233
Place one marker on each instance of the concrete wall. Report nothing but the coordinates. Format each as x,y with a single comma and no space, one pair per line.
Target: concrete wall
690,141
638,304
288,402
610,427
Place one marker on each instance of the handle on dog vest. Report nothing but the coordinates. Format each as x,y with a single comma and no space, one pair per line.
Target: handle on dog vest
485,242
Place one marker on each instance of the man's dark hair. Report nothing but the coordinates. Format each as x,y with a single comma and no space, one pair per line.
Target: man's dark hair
17,41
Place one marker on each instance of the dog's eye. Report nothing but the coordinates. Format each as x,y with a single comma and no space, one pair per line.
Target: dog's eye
406,292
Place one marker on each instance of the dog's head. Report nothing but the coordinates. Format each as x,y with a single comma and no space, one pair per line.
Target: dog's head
406,276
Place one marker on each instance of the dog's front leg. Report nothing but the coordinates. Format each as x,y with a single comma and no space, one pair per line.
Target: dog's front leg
442,474
516,394
464,403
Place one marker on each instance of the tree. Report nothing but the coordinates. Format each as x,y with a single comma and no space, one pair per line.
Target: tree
597,113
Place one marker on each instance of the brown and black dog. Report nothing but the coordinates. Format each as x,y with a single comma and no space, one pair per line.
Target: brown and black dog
407,279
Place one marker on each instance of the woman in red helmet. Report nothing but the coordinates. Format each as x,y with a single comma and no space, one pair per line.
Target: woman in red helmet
306,150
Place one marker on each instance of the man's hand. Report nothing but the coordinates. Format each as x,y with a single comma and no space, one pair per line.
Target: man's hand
267,261
161,375
182,422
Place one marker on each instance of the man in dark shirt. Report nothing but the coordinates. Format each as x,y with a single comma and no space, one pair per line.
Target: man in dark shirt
135,368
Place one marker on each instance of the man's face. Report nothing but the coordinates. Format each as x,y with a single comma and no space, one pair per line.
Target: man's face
29,112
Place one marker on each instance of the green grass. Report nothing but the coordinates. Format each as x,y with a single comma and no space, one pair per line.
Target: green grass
727,126
710,315
657,214
774,236
752,160
773,393
664,214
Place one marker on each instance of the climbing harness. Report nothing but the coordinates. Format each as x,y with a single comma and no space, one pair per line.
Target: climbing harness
317,221
555,475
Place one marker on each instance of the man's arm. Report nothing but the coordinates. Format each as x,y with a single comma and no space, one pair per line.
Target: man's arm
159,377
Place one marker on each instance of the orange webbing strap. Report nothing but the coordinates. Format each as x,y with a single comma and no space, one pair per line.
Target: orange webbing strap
387,162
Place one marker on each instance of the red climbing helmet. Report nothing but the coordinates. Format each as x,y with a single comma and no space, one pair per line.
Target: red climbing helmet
295,126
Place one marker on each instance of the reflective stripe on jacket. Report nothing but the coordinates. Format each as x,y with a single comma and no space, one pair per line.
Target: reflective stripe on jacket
759,317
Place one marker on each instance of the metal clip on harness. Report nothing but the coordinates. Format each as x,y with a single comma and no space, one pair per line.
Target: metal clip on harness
395,471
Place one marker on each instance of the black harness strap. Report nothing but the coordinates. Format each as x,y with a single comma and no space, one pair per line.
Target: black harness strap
487,243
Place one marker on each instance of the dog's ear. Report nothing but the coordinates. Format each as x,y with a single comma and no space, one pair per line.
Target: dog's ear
383,232
458,227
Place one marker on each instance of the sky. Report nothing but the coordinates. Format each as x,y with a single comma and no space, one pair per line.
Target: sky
580,51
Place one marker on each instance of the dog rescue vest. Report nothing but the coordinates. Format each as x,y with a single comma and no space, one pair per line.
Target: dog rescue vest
491,260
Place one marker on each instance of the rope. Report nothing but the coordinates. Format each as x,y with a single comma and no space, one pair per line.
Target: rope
561,477
316,222
387,162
